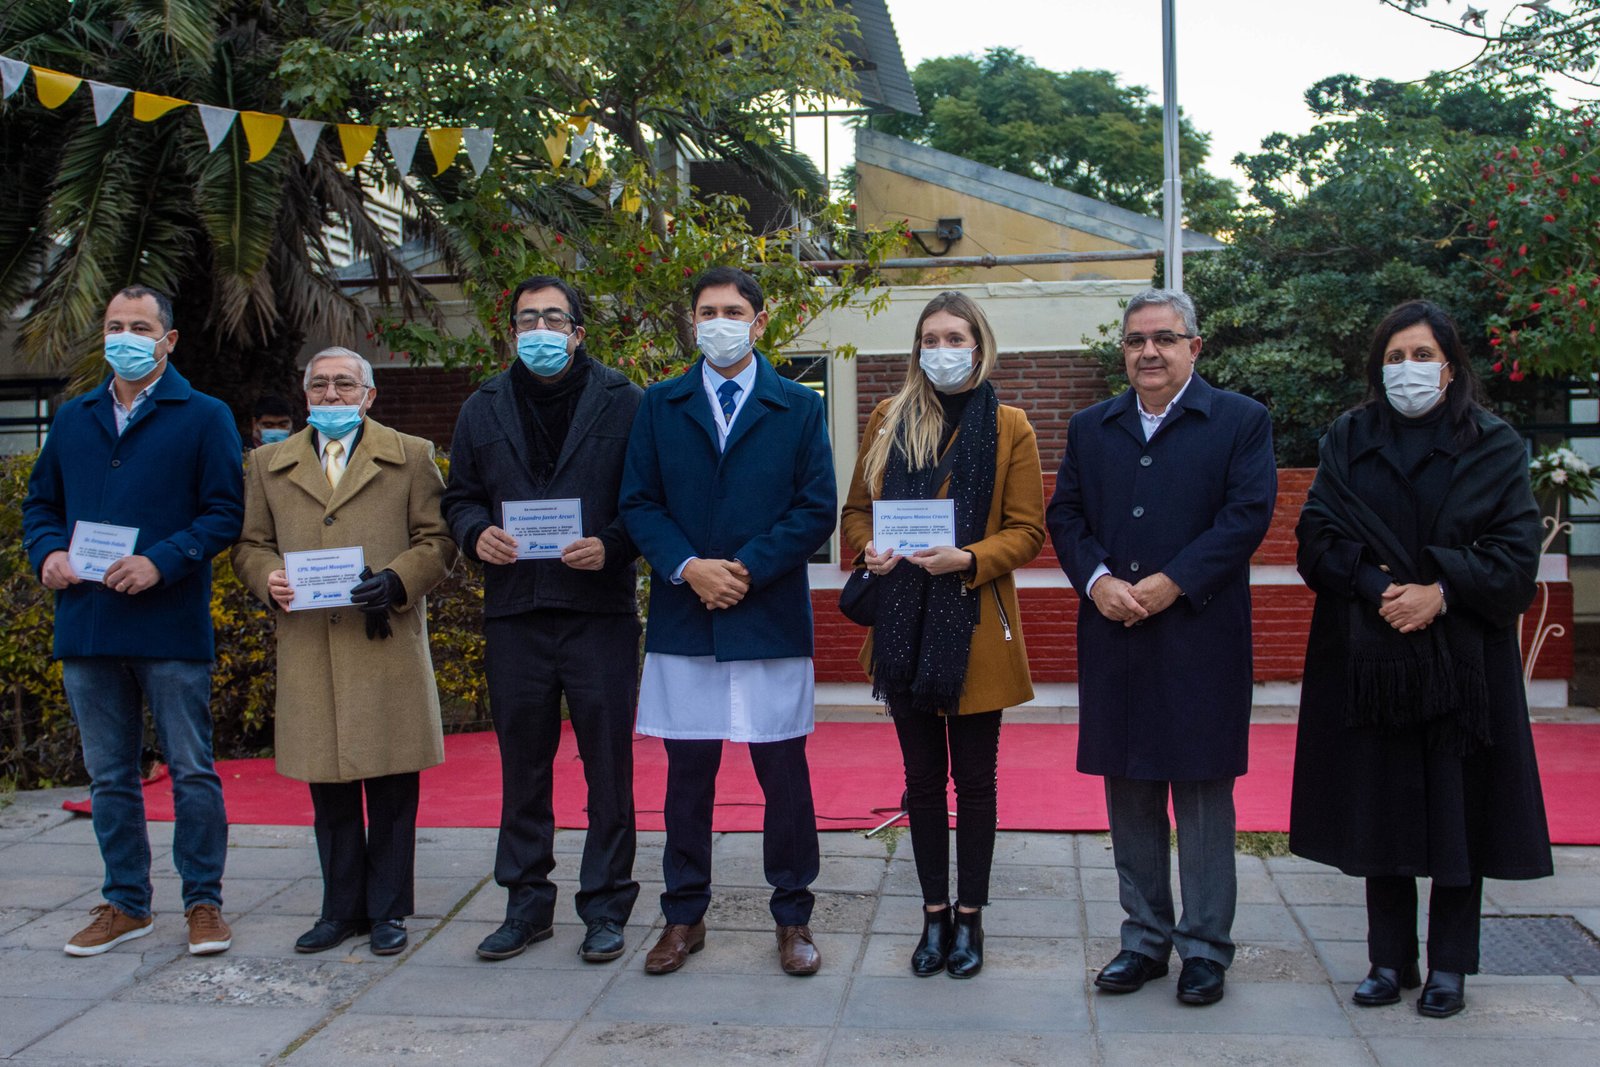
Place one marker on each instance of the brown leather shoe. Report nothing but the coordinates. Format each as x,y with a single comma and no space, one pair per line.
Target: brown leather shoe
797,952
677,942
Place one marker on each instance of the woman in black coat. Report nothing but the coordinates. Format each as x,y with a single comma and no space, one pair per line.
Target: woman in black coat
1420,538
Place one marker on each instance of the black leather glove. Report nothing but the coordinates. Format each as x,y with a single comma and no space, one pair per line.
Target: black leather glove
375,596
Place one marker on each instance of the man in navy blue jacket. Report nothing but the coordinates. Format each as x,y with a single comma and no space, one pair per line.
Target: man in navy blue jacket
146,453
728,490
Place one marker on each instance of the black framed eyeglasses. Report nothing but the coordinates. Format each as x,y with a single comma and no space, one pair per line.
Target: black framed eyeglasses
553,319
1165,340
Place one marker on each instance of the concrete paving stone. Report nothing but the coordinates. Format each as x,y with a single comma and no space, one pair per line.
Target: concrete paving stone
839,874
1002,918
454,862
12,918
627,1044
1036,850
1322,889
302,896
1297,865
239,895
35,973
481,838
979,1006
272,936
23,1020
1448,1050
1268,922
692,995
1334,922
1248,1008
1103,918
1566,889
1004,958
1094,850
1571,857
485,991
45,892
756,951
250,835
1016,881
260,982
19,823
1232,1050
1270,961
352,1040
1345,962
749,909
281,861
456,943
866,1047
1553,1009
829,843
54,929
181,1035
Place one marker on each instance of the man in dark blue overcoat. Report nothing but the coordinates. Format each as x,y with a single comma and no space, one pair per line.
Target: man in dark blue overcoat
1164,493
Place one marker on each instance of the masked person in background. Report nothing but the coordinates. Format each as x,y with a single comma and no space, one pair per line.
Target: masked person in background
272,420
554,428
357,710
142,474
1414,757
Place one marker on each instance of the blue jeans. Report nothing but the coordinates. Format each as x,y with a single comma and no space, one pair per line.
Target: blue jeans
107,694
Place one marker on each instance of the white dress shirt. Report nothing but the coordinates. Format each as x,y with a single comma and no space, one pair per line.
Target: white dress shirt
348,441
699,698
123,414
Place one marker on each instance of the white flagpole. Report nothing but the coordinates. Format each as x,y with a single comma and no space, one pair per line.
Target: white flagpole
1172,186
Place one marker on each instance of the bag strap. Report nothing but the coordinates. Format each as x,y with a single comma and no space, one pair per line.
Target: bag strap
942,469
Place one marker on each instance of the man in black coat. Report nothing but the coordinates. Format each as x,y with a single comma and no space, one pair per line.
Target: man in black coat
1164,493
554,428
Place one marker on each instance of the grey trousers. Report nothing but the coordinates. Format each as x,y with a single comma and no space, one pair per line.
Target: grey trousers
1141,847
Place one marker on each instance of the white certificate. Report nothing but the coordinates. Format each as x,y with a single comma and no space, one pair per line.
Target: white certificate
909,526
543,527
96,546
323,578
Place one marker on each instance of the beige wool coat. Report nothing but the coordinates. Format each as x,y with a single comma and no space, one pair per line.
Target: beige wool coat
348,707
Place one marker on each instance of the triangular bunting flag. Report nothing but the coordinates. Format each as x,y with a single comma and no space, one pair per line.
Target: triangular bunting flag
261,132
616,191
147,107
555,146
54,87
217,121
12,73
630,202
107,98
403,146
581,142
444,143
306,132
480,143
597,170
356,140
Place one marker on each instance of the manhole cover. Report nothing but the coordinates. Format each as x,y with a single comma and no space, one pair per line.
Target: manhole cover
1537,944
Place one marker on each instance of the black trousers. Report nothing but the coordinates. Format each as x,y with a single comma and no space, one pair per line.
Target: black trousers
531,661
1453,913
789,850
368,871
938,749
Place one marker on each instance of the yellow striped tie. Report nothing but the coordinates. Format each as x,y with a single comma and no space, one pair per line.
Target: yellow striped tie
335,454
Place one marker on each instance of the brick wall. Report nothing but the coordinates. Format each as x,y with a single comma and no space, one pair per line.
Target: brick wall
423,401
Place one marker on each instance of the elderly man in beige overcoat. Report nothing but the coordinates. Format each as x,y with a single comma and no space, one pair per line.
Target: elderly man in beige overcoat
357,708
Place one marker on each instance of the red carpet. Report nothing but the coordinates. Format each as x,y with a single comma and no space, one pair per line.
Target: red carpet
856,767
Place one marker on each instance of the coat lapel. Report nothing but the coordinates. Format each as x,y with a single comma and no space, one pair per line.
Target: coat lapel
503,403
378,445
1125,413
767,394
689,394
298,456
593,401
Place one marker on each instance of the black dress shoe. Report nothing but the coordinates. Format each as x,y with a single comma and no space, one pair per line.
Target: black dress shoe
602,942
1444,995
1200,981
513,936
1129,972
1382,985
931,952
388,936
328,933
966,945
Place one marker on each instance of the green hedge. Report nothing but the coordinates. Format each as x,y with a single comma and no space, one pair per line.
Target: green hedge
38,740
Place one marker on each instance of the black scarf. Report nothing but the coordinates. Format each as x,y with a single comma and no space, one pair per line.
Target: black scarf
923,635
1432,677
546,410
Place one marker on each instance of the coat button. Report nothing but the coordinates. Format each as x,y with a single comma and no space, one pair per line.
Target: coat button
116,463
1145,461
1134,566
1138,511
194,552
328,521
333,619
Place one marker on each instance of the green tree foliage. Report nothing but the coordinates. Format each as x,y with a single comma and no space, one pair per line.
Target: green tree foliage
1079,130
1559,37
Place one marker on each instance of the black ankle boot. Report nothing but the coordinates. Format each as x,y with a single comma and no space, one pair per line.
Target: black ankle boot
1382,985
1444,995
934,947
966,948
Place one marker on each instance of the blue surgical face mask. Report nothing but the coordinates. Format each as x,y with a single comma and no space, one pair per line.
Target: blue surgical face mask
544,352
334,420
132,356
273,436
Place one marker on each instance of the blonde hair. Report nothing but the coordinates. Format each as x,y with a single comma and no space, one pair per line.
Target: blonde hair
914,420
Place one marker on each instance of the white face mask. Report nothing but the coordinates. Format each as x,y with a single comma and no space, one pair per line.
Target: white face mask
948,369
1413,387
724,341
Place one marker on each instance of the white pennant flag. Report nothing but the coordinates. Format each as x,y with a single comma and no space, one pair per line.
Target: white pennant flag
581,142
107,98
616,191
403,146
217,121
479,144
306,132
12,72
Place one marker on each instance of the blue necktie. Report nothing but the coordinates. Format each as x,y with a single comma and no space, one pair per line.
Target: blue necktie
728,392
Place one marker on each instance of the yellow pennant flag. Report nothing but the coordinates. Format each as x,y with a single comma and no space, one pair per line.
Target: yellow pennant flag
53,86
629,202
596,170
357,141
260,132
444,142
147,107
555,147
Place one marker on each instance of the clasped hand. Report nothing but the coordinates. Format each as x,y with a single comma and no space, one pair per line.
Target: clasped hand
1131,604
1409,608
719,583
943,560
496,546
130,574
